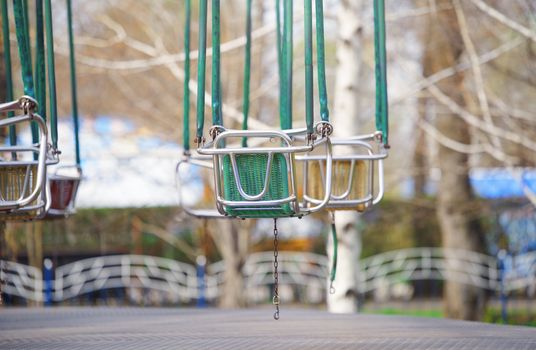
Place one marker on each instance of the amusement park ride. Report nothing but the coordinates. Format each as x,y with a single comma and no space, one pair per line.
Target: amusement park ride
29,188
263,181
276,173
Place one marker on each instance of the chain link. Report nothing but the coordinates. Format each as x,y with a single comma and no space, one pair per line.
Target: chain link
275,300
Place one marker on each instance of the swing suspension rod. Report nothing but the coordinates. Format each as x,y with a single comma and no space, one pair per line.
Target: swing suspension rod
74,98
285,65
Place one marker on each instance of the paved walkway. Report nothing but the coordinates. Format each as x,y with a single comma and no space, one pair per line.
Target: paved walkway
152,328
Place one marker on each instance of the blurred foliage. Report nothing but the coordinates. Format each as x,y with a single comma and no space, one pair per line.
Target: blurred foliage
396,224
517,317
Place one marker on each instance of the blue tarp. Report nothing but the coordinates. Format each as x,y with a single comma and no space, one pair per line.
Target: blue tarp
500,183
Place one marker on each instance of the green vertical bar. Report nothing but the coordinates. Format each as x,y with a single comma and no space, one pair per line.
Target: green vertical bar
40,72
247,71
201,68
308,31
51,74
382,107
321,61
286,118
24,49
282,75
216,65
186,97
27,27
9,74
74,94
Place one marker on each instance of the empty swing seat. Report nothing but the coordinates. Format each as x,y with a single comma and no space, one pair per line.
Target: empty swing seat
357,174
349,181
23,167
17,182
260,181
62,190
251,170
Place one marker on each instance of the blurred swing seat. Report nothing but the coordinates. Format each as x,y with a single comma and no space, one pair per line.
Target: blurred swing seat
357,175
201,166
23,168
62,190
259,181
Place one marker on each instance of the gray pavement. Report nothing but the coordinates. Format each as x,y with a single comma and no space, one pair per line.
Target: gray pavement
154,328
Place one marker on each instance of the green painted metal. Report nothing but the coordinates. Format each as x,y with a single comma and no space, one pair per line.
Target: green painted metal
186,96
333,272
252,172
51,74
40,70
27,26
287,56
282,75
24,48
321,61
74,94
247,72
8,68
382,107
201,68
309,99
217,118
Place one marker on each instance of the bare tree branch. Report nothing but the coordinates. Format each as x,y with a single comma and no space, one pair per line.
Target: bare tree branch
526,32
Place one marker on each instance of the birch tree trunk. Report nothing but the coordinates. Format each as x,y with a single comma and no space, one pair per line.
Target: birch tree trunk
345,114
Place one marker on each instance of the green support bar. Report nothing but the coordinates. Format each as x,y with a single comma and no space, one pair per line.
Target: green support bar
27,26
201,69
309,99
247,71
40,69
217,118
51,75
24,48
382,107
321,61
186,97
286,116
74,94
9,73
282,75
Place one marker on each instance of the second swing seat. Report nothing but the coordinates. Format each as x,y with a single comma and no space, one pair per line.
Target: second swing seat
349,182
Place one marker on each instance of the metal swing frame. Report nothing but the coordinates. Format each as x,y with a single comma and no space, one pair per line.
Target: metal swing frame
203,162
218,149
32,200
366,148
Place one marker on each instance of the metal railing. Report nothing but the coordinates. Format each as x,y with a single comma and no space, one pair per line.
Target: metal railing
304,271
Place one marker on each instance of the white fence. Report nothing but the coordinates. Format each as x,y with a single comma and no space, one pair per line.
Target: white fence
304,272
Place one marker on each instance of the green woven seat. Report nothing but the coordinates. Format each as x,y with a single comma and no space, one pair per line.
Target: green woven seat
252,172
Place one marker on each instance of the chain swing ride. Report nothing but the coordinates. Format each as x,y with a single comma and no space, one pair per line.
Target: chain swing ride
261,181
28,188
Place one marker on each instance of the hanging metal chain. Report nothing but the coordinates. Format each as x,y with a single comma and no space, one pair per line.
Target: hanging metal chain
275,299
